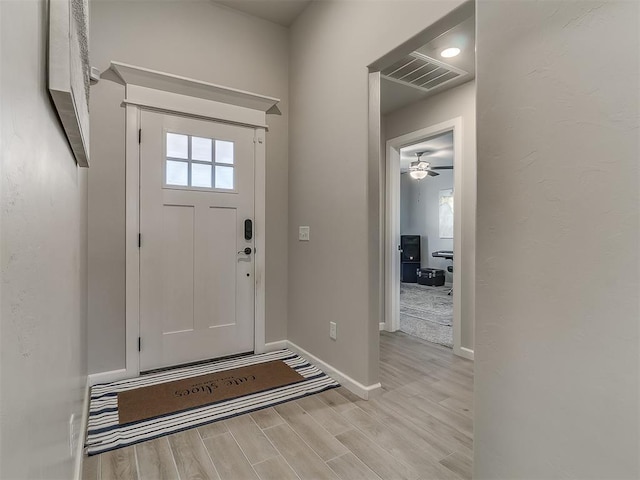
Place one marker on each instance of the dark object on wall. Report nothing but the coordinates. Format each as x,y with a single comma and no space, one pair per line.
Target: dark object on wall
433,277
410,246
409,272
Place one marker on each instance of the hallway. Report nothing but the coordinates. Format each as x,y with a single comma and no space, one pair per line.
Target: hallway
420,427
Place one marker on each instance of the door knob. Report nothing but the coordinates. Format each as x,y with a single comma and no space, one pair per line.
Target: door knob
246,251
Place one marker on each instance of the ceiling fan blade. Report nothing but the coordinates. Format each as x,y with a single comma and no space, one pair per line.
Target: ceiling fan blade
445,167
431,173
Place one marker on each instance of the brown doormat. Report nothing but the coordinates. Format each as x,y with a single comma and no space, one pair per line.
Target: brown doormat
170,397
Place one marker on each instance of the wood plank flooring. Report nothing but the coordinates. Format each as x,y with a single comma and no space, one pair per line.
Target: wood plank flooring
421,427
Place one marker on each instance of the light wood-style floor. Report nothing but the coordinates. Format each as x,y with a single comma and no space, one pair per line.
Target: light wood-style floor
420,428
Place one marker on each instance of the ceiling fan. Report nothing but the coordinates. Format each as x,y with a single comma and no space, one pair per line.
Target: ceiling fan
421,168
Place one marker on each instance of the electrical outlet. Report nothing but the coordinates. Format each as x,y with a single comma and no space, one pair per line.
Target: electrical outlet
303,234
333,330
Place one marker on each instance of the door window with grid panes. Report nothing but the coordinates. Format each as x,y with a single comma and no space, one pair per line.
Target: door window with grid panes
199,163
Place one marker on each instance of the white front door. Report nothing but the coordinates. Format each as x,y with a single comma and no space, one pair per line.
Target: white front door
196,218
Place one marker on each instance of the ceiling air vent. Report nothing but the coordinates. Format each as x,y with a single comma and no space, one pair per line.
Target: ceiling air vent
420,71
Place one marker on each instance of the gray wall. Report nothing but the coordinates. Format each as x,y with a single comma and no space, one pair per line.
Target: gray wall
457,102
557,360
331,45
194,39
42,259
420,215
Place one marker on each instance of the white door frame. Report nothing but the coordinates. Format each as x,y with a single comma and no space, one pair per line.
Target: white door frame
392,224
171,94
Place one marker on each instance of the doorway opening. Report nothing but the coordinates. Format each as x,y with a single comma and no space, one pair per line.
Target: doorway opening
422,144
427,239
423,235
425,100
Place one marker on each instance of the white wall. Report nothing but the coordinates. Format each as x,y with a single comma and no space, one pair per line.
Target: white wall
557,329
457,102
332,43
42,259
420,215
194,39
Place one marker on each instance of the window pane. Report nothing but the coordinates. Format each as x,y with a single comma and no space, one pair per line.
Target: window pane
224,152
201,148
177,173
224,177
200,175
177,145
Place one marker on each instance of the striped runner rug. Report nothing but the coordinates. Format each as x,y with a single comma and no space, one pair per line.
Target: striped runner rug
104,433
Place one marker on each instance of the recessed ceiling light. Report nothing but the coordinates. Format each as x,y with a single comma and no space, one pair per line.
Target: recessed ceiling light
450,52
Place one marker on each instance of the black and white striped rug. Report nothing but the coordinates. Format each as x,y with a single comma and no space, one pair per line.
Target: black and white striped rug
104,433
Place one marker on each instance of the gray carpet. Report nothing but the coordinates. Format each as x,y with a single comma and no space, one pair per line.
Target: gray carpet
427,313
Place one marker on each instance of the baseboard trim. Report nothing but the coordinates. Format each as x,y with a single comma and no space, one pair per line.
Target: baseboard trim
363,391
466,353
82,434
106,377
382,326
273,346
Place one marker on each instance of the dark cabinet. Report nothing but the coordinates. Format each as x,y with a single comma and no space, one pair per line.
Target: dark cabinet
409,272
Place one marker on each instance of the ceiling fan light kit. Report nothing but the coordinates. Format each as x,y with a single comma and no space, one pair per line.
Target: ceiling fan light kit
418,174
420,168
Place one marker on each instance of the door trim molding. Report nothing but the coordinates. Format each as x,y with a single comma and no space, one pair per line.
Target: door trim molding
215,111
392,225
199,108
197,116
132,251
259,220
126,74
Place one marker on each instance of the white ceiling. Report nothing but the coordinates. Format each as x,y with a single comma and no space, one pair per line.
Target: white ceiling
396,95
283,12
441,147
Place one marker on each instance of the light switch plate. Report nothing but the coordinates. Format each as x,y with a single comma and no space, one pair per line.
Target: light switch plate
333,330
303,234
